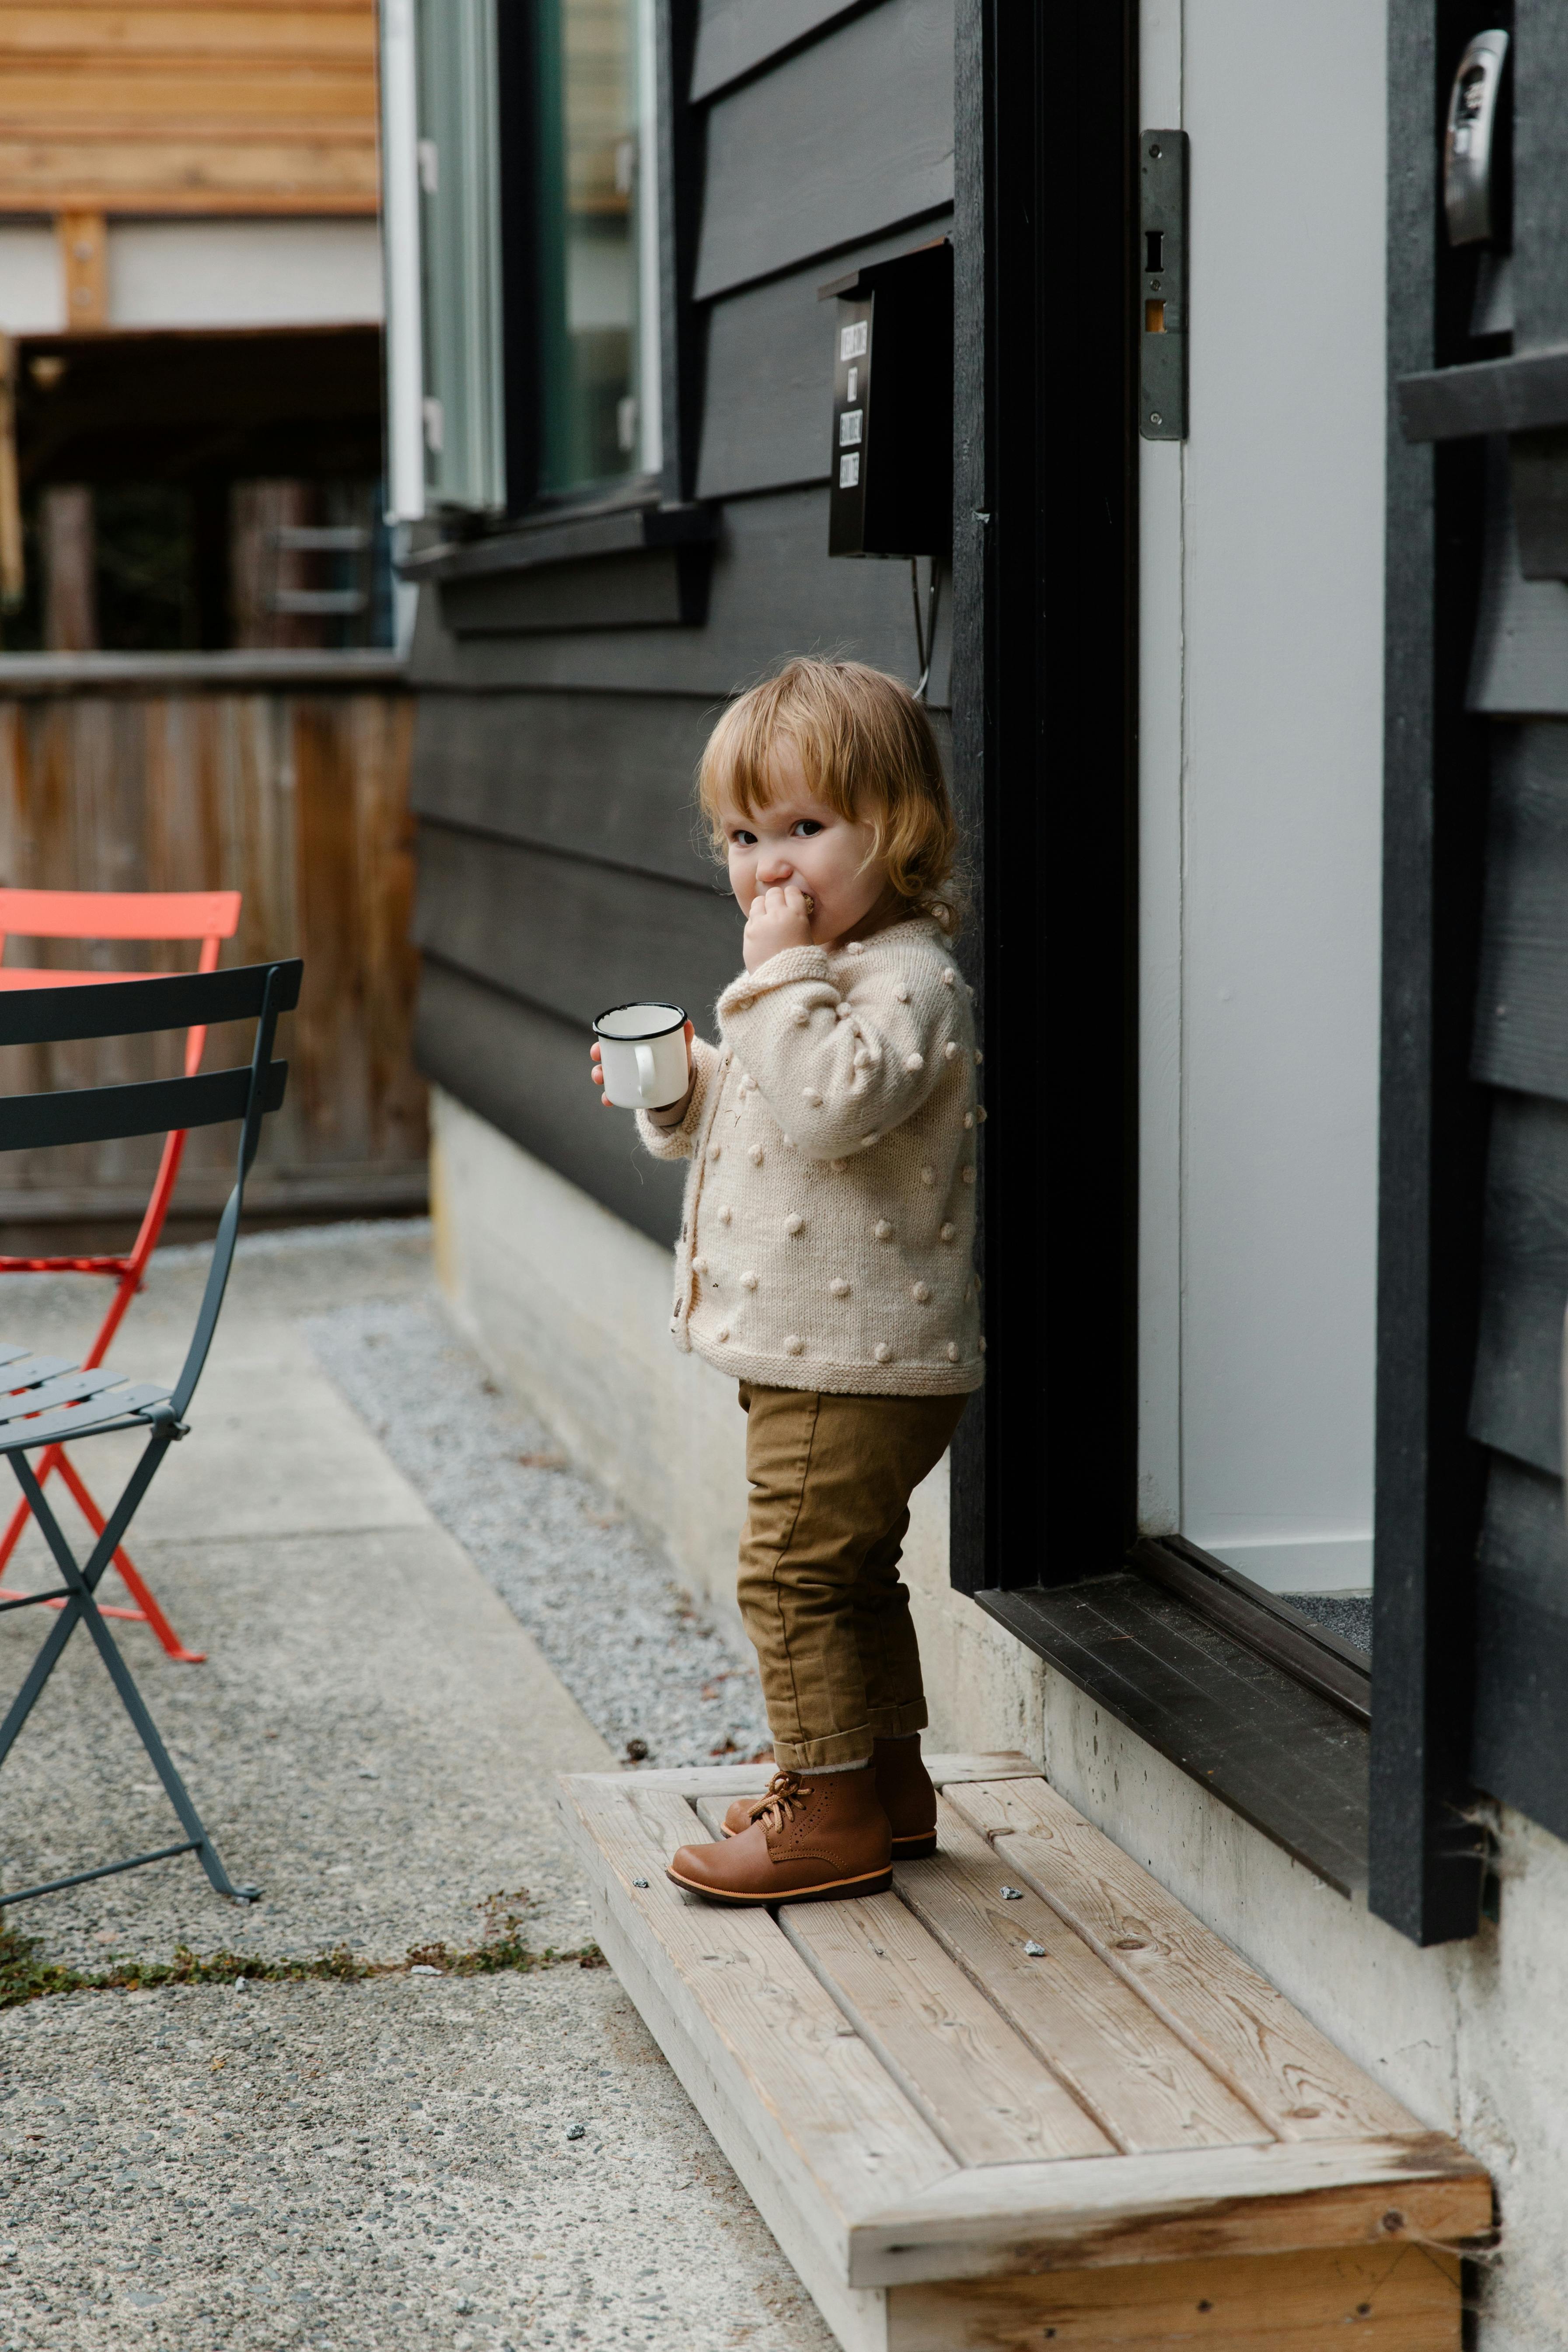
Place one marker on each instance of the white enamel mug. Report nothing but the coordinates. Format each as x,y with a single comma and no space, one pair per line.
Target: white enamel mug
642,1051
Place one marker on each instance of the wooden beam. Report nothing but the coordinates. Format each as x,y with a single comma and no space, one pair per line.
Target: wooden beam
84,267
70,570
13,577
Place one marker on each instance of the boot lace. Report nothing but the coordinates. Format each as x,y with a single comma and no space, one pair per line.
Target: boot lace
786,1794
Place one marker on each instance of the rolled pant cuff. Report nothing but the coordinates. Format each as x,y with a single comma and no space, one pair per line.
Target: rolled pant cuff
851,1746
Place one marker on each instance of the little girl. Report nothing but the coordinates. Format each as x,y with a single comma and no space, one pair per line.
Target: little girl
824,1257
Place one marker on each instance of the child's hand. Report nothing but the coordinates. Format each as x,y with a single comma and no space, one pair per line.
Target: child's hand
673,1113
780,918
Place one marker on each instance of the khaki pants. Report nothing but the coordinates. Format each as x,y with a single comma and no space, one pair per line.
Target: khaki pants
820,1592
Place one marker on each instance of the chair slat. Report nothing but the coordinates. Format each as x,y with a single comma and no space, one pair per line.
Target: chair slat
120,914
26,1372
71,1389
79,1421
131,1007
152,1107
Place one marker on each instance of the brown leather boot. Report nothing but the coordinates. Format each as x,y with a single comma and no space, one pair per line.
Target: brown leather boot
819,1840
904,1787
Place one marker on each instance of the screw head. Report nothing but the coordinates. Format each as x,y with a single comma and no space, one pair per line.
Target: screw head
1155,417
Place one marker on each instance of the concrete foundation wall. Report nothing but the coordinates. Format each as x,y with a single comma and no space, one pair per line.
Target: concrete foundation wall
571,1307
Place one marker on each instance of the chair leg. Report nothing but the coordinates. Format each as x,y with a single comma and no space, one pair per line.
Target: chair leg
82,1607
148,1612
147,1606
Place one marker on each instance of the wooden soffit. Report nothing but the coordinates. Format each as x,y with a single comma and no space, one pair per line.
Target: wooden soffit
216,107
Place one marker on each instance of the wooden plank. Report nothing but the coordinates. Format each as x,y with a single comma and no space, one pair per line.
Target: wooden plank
519,765
767,417
985,2092
735,36
1290,1761
995,2221
570,936
1522,993
843,141
281,33
775,592
189,174
1516,1400
856,2315
525,1071
1250,2034
1397,2299
789,2075
1137,2077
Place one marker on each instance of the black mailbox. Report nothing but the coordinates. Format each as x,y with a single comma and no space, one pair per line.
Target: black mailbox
892,407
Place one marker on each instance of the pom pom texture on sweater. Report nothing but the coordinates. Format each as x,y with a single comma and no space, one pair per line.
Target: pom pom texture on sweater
829,1228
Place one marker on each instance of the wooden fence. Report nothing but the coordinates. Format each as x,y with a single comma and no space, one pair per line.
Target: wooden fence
285,777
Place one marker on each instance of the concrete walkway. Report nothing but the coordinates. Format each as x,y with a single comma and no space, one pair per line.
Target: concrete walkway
415,2160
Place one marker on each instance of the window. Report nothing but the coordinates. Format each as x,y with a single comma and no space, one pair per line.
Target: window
597,249
521,230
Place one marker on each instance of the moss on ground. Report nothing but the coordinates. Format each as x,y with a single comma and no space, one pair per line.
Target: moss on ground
26,1976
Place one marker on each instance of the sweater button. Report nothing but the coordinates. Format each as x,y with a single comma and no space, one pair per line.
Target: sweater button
794,1345
921,1294
748,1281
838,1166
794,1222
715,1149
969,1118
755,1155
838,1286
724,1332
950,1051
927,1175
914,1061
967,1174
882,1230
809,1094
947,1233
725,1214
952,1349
883,1352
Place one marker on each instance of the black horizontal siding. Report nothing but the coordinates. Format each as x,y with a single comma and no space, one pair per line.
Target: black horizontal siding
569,937
735,36
775,592
844,141
1516,1402
527,1072
584,774
1521,1031
768,416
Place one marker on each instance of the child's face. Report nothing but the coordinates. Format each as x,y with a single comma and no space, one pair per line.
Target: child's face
800,840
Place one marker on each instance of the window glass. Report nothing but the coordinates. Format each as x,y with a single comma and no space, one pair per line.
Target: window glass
594,223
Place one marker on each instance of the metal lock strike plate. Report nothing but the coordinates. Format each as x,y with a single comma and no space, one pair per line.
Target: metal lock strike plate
1163,285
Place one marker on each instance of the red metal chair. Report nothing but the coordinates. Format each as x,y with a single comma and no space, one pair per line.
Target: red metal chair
210,917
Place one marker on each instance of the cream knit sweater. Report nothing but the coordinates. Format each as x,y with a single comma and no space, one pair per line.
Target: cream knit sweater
828,1230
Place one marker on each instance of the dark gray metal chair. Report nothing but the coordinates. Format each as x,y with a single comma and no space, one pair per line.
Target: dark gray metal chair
45,1401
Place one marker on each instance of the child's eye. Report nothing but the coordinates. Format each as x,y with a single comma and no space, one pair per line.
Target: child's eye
806,827
742,839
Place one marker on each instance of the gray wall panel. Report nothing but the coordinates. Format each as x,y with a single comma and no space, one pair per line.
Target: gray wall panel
775,592
1521,996
609,777
1516,1401
735,36
527,1074
846,139
768,415
569,937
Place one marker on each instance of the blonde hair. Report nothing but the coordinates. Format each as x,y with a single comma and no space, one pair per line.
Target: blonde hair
867,749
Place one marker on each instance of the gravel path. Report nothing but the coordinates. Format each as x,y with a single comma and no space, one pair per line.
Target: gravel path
646,1663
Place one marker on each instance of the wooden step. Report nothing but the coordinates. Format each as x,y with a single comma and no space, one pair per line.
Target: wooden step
1027,2099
